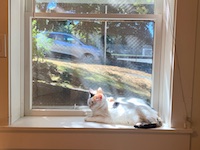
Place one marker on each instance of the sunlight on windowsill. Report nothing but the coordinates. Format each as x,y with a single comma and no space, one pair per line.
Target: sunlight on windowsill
79,123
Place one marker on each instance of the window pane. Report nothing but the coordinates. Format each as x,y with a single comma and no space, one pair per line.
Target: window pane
71,56
95,6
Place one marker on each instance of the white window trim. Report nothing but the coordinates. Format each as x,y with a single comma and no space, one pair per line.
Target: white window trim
20,99
16,55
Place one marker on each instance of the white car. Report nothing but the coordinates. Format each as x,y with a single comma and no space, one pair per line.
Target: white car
69,45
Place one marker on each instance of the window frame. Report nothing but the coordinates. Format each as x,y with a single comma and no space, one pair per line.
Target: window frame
17,97
157,18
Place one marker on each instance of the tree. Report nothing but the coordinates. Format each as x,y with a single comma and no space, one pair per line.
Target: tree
84,28
40,42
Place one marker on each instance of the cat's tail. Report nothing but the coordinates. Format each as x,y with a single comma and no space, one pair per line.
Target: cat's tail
145,125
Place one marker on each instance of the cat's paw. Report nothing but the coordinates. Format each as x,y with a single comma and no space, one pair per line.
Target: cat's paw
88,119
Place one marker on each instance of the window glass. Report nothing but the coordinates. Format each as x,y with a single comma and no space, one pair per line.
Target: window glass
114,55
95,6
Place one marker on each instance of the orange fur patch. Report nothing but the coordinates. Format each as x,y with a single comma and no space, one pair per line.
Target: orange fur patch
98,97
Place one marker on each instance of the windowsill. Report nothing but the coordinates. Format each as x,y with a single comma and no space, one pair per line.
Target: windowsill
78,123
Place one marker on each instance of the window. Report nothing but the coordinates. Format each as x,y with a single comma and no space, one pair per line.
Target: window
124,53
77,46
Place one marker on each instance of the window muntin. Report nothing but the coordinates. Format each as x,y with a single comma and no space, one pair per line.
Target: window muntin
154,24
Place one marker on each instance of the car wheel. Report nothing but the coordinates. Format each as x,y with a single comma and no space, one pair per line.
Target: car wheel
88,58
50,55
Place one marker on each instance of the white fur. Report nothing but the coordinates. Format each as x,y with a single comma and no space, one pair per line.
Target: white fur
129,112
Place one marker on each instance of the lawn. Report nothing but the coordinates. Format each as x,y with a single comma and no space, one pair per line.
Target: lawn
115,81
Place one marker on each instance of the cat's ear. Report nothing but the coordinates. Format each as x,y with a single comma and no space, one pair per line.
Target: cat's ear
99,90
91,93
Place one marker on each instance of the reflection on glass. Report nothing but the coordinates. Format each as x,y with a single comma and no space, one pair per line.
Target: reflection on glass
71,56
52,5
95,7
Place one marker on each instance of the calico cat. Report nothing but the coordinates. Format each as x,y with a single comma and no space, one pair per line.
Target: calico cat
131,112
